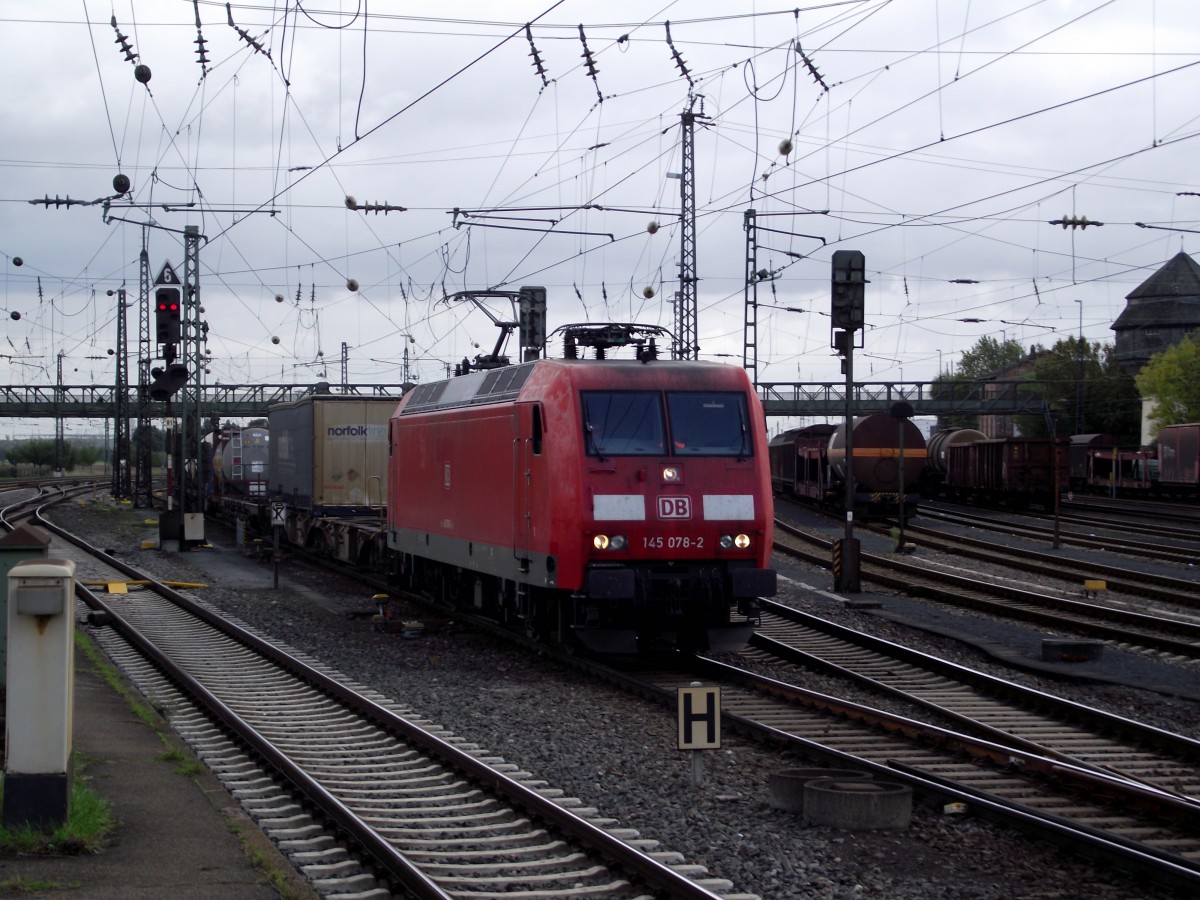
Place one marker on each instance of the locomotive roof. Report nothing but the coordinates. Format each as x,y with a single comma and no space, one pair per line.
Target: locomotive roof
505,384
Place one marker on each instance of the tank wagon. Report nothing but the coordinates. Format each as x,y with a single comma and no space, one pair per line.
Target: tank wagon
240,457
810,463
623,504
938,452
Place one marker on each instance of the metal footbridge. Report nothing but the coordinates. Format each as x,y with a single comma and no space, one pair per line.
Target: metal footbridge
794,399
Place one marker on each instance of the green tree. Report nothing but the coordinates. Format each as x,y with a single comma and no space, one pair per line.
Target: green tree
985,359
38,454
988,357
1172,379
1112,404
1084,391
84,457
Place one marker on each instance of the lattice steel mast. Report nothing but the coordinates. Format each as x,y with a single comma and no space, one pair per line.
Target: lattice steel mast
687,338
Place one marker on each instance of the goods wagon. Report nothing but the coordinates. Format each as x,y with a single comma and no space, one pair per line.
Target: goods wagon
1012,471
1179,458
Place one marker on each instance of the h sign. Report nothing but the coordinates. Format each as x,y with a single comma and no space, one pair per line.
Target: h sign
674,507
699,718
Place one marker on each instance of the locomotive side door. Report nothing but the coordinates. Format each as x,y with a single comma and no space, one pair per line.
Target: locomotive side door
527,444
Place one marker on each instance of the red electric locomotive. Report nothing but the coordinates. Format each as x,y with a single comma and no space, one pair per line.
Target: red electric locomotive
625,504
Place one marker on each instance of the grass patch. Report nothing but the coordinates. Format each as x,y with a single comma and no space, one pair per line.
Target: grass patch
287,882
185,763
21,885
148,714
86,831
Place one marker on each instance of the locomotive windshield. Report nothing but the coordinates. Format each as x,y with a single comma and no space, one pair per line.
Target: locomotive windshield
623,423
631,423
709,424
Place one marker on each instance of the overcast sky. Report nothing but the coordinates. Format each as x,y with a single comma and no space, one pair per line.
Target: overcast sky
937,137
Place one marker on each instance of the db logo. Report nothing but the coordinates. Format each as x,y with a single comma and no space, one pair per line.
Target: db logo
674,507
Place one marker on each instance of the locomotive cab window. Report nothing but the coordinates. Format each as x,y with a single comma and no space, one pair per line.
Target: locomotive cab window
631,423
623,423
709,424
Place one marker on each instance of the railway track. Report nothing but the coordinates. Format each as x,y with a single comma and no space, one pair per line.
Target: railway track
1116,816
361,794
1177,637
1183,592
994,708
1156,512
1103,786
1179,545
1114,819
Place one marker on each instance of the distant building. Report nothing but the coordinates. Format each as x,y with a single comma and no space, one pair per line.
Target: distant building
1160,312
1002,383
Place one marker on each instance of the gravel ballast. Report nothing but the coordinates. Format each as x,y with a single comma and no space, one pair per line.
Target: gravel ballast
617,752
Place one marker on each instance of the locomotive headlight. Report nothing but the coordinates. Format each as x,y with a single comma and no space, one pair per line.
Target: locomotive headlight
604,542
670,474
740,541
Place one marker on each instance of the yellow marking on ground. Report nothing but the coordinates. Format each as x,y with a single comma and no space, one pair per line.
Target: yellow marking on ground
121,587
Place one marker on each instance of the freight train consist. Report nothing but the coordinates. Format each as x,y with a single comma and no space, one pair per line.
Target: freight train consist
617,504
1169,469
963,464
887,459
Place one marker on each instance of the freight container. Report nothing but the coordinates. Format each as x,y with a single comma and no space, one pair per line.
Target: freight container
329,453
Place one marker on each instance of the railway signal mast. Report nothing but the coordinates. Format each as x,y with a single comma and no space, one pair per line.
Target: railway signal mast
180,335
847,316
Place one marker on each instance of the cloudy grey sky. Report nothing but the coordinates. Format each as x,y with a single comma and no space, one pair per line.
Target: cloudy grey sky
939,137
